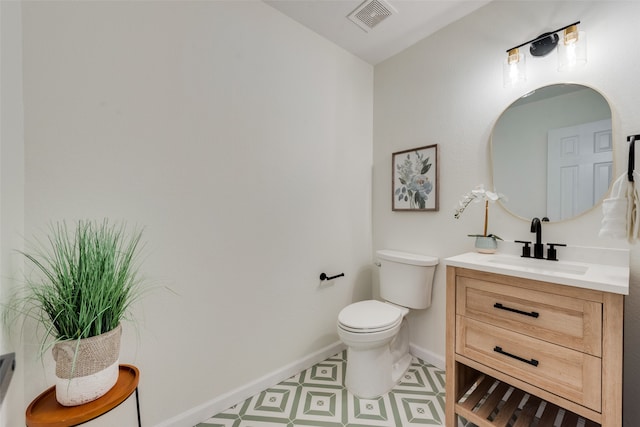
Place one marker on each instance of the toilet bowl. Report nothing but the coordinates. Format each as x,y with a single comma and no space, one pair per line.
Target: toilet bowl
377,333
377,339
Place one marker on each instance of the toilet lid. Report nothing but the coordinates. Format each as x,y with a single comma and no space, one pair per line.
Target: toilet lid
369,316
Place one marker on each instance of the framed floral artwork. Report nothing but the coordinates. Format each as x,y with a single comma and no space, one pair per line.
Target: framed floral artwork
415,179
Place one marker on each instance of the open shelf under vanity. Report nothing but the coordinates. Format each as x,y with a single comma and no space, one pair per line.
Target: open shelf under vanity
489,402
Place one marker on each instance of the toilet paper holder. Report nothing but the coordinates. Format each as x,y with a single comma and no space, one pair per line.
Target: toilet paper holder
323,276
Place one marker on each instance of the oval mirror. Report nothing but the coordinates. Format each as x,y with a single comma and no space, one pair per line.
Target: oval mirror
552,152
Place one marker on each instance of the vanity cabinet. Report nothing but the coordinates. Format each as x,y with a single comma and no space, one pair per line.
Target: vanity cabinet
520,349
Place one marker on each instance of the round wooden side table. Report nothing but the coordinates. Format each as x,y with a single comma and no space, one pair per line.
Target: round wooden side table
45,411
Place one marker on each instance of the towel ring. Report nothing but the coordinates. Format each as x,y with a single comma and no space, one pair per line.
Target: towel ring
632,156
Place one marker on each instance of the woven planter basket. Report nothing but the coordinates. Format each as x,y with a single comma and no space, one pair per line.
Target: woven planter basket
91,372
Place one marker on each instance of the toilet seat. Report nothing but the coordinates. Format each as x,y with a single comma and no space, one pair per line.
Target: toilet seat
369,317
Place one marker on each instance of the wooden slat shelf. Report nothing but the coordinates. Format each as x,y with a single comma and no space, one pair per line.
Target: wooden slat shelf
489,402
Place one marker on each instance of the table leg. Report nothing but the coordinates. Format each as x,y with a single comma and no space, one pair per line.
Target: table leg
138,407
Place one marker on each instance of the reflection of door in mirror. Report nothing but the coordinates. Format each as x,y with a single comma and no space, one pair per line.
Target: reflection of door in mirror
519,152
580,166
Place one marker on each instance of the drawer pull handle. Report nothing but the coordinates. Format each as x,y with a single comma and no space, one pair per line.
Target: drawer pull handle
514,310
532,362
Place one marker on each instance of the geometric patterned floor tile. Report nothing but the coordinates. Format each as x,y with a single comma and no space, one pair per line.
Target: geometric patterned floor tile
317,397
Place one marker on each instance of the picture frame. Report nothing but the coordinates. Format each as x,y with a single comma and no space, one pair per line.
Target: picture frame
415,179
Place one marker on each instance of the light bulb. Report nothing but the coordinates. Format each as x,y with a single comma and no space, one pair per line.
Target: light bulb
572,52
513,69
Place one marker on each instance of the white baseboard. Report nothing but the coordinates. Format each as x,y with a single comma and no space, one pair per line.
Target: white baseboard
434,359
214,406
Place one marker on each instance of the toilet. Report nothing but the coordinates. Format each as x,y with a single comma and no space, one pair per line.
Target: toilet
376,333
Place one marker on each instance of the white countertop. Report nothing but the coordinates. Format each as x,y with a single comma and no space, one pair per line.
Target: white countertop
612,277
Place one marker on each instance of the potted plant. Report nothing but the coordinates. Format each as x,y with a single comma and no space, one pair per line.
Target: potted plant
485,243
86,280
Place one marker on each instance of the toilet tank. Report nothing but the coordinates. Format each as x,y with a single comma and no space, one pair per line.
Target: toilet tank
406,279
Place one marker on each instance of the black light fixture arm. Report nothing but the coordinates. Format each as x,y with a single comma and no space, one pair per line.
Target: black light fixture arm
542,36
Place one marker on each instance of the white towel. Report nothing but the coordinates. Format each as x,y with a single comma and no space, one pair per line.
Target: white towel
619,211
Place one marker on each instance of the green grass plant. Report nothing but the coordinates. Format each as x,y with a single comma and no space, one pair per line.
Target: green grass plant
86,279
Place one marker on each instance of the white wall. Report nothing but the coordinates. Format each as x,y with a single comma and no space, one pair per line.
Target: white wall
242,142
447,89
11,192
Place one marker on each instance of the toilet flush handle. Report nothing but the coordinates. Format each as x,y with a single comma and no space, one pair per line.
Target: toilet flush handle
378,264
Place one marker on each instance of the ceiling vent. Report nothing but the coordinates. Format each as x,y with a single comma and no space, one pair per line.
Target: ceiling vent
370,13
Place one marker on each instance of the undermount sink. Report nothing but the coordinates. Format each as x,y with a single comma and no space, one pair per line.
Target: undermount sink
540,265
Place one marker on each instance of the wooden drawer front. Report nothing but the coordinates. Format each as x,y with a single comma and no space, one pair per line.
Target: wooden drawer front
574,375
569,322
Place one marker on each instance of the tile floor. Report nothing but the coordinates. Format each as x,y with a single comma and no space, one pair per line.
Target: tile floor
317,397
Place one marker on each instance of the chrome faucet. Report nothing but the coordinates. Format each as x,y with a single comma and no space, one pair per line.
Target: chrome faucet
536,227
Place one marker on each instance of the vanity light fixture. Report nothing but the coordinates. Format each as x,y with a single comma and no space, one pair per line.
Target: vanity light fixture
572,51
